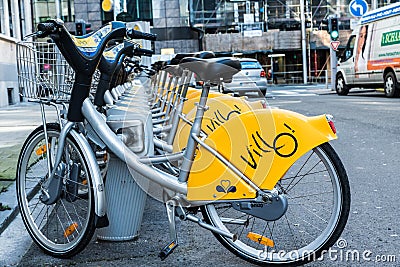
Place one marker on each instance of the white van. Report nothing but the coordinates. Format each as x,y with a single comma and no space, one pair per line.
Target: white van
372,55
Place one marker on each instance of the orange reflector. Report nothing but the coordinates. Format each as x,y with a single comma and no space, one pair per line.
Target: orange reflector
70,229
41,150
171,245
84,182
260,239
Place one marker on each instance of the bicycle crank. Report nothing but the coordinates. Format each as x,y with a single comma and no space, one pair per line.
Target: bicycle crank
271,210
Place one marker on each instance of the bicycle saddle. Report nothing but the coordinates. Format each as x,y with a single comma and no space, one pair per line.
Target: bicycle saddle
174,70
158,65
173,67
212,70
202,54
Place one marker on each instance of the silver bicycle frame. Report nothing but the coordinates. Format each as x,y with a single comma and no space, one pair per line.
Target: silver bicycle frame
125,154
116,145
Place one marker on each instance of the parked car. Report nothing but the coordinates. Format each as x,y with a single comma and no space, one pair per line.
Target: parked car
252,78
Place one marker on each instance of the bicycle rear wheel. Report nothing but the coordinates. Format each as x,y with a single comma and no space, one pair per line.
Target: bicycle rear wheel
318,195
64,228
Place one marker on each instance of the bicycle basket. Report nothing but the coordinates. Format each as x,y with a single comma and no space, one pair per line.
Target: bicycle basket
43,73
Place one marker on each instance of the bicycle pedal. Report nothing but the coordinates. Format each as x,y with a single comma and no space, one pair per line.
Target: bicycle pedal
166,251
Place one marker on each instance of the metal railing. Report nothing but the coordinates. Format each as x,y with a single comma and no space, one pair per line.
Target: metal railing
296,77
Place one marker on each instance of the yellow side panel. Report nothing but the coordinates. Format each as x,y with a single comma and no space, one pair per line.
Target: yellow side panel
263,144
261,104
194,97
190,91
93,40
221,109
110,54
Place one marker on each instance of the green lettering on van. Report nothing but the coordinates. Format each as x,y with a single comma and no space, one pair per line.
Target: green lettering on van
390,38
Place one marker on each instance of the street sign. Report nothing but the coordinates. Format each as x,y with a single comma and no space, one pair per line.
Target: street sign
358,8
335,45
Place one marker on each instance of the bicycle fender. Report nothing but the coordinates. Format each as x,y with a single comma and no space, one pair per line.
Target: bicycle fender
220,110
262,144
97,180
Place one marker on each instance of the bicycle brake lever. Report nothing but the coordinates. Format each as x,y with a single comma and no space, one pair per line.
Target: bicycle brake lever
37,33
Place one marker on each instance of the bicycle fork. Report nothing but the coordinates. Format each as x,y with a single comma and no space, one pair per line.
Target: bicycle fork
52,187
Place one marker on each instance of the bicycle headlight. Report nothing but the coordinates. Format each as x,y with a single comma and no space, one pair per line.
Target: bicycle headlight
132,134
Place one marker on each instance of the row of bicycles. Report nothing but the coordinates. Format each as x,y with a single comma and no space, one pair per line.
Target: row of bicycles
265,181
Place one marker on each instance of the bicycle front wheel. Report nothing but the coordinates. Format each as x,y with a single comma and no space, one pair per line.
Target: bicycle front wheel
318,194
64,228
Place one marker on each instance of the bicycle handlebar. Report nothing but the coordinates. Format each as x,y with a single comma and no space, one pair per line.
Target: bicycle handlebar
141,35
143,52
48,27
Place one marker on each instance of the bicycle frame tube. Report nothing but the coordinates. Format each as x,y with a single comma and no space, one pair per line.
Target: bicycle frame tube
171,99
125,154
108,98
195,130
61,143
160,89
46,137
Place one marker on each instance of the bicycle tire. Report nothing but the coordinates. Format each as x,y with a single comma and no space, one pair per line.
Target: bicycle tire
295,240
64,228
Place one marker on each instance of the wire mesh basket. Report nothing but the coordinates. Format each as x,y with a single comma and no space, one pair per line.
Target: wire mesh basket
43,73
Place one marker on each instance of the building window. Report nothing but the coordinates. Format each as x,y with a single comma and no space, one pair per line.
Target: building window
47,9
67,11
140,10
1,17
10,18
10,94
22,22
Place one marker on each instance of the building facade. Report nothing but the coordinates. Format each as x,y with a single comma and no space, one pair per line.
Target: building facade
15,22
257,28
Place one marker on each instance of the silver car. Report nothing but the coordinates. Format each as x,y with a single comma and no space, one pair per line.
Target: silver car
250,79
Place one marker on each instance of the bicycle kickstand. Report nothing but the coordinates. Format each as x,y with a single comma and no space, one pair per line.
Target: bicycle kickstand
167,250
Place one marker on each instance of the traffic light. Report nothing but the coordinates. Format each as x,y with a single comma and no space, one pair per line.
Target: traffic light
333,28
88,28
80,28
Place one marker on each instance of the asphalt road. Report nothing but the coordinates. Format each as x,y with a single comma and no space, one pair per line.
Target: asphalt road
369,146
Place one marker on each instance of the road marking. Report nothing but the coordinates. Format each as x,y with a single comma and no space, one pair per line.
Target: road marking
296,92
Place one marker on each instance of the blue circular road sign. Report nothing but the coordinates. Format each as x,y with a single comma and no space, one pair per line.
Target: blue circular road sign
358,7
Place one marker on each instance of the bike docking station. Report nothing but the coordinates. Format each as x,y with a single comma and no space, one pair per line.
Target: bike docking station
130,118
245,172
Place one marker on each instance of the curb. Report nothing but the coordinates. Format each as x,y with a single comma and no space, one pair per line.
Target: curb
8,198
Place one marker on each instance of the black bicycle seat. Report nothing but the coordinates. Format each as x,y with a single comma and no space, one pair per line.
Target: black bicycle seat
174,70
214,70
202,54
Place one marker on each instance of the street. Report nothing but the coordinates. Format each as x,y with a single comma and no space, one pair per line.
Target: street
368,145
